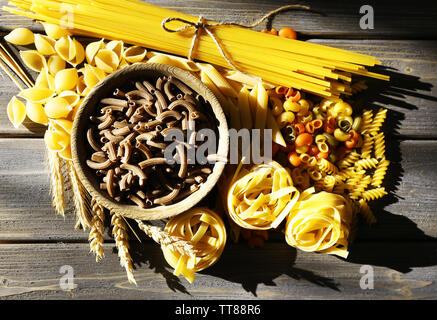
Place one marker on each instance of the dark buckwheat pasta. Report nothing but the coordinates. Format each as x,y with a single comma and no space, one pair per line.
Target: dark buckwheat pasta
128,136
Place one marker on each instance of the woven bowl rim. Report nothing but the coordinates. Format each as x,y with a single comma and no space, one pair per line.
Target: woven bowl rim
78,136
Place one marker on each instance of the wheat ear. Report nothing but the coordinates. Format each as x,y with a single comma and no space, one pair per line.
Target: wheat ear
57,186
122,242
79,199
174,243
95,237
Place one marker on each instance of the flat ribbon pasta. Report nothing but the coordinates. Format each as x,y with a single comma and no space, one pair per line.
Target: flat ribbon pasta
262,198
320,222
206,232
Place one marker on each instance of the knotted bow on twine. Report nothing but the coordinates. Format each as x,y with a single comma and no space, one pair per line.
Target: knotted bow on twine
201,25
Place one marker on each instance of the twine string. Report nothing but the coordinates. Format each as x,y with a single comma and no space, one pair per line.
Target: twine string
202,25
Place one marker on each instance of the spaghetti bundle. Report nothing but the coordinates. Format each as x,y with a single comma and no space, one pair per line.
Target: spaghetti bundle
311,67
205,230
320,222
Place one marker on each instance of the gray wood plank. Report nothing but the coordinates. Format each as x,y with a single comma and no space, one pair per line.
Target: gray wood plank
277,271
412,20
407,212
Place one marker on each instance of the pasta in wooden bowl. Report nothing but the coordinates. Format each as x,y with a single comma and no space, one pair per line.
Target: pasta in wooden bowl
82,149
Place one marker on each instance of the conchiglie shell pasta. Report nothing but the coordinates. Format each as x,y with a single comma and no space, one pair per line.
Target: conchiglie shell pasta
135,54
20,36
44,44
57,108
33,59
81,86
36,113
92,75
117,47
66,153
107,60
62,124
62,47
55,64
92,49
66,79
37,94
71,96
56,140
45,80
16,112
54,31
79,53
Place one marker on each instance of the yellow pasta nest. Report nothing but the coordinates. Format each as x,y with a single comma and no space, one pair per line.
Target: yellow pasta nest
261,199
320,222
206,232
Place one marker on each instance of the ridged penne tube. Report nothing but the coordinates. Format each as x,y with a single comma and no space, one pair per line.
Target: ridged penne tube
20,37
218,80
262,100
243,106
44,44
16,111
33,59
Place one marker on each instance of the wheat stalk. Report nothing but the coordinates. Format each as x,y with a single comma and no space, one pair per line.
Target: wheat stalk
122,242
174,243
79,199
57,185
95,237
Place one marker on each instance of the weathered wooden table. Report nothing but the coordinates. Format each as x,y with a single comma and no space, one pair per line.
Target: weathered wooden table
401,248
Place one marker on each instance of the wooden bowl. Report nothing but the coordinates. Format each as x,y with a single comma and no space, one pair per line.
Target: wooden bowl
104,89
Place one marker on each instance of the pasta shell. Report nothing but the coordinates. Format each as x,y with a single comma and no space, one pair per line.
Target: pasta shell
92,75
55,64
160,59
72,114
62,47
117,47
107,60
56,140
57,107
92,49
80,86
123,63
179,62
37,94
45,80
66,153
33,59
36,113
71,96
62,124
79,53
20,36
44,44
135,54
54,31
66,79
16,112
